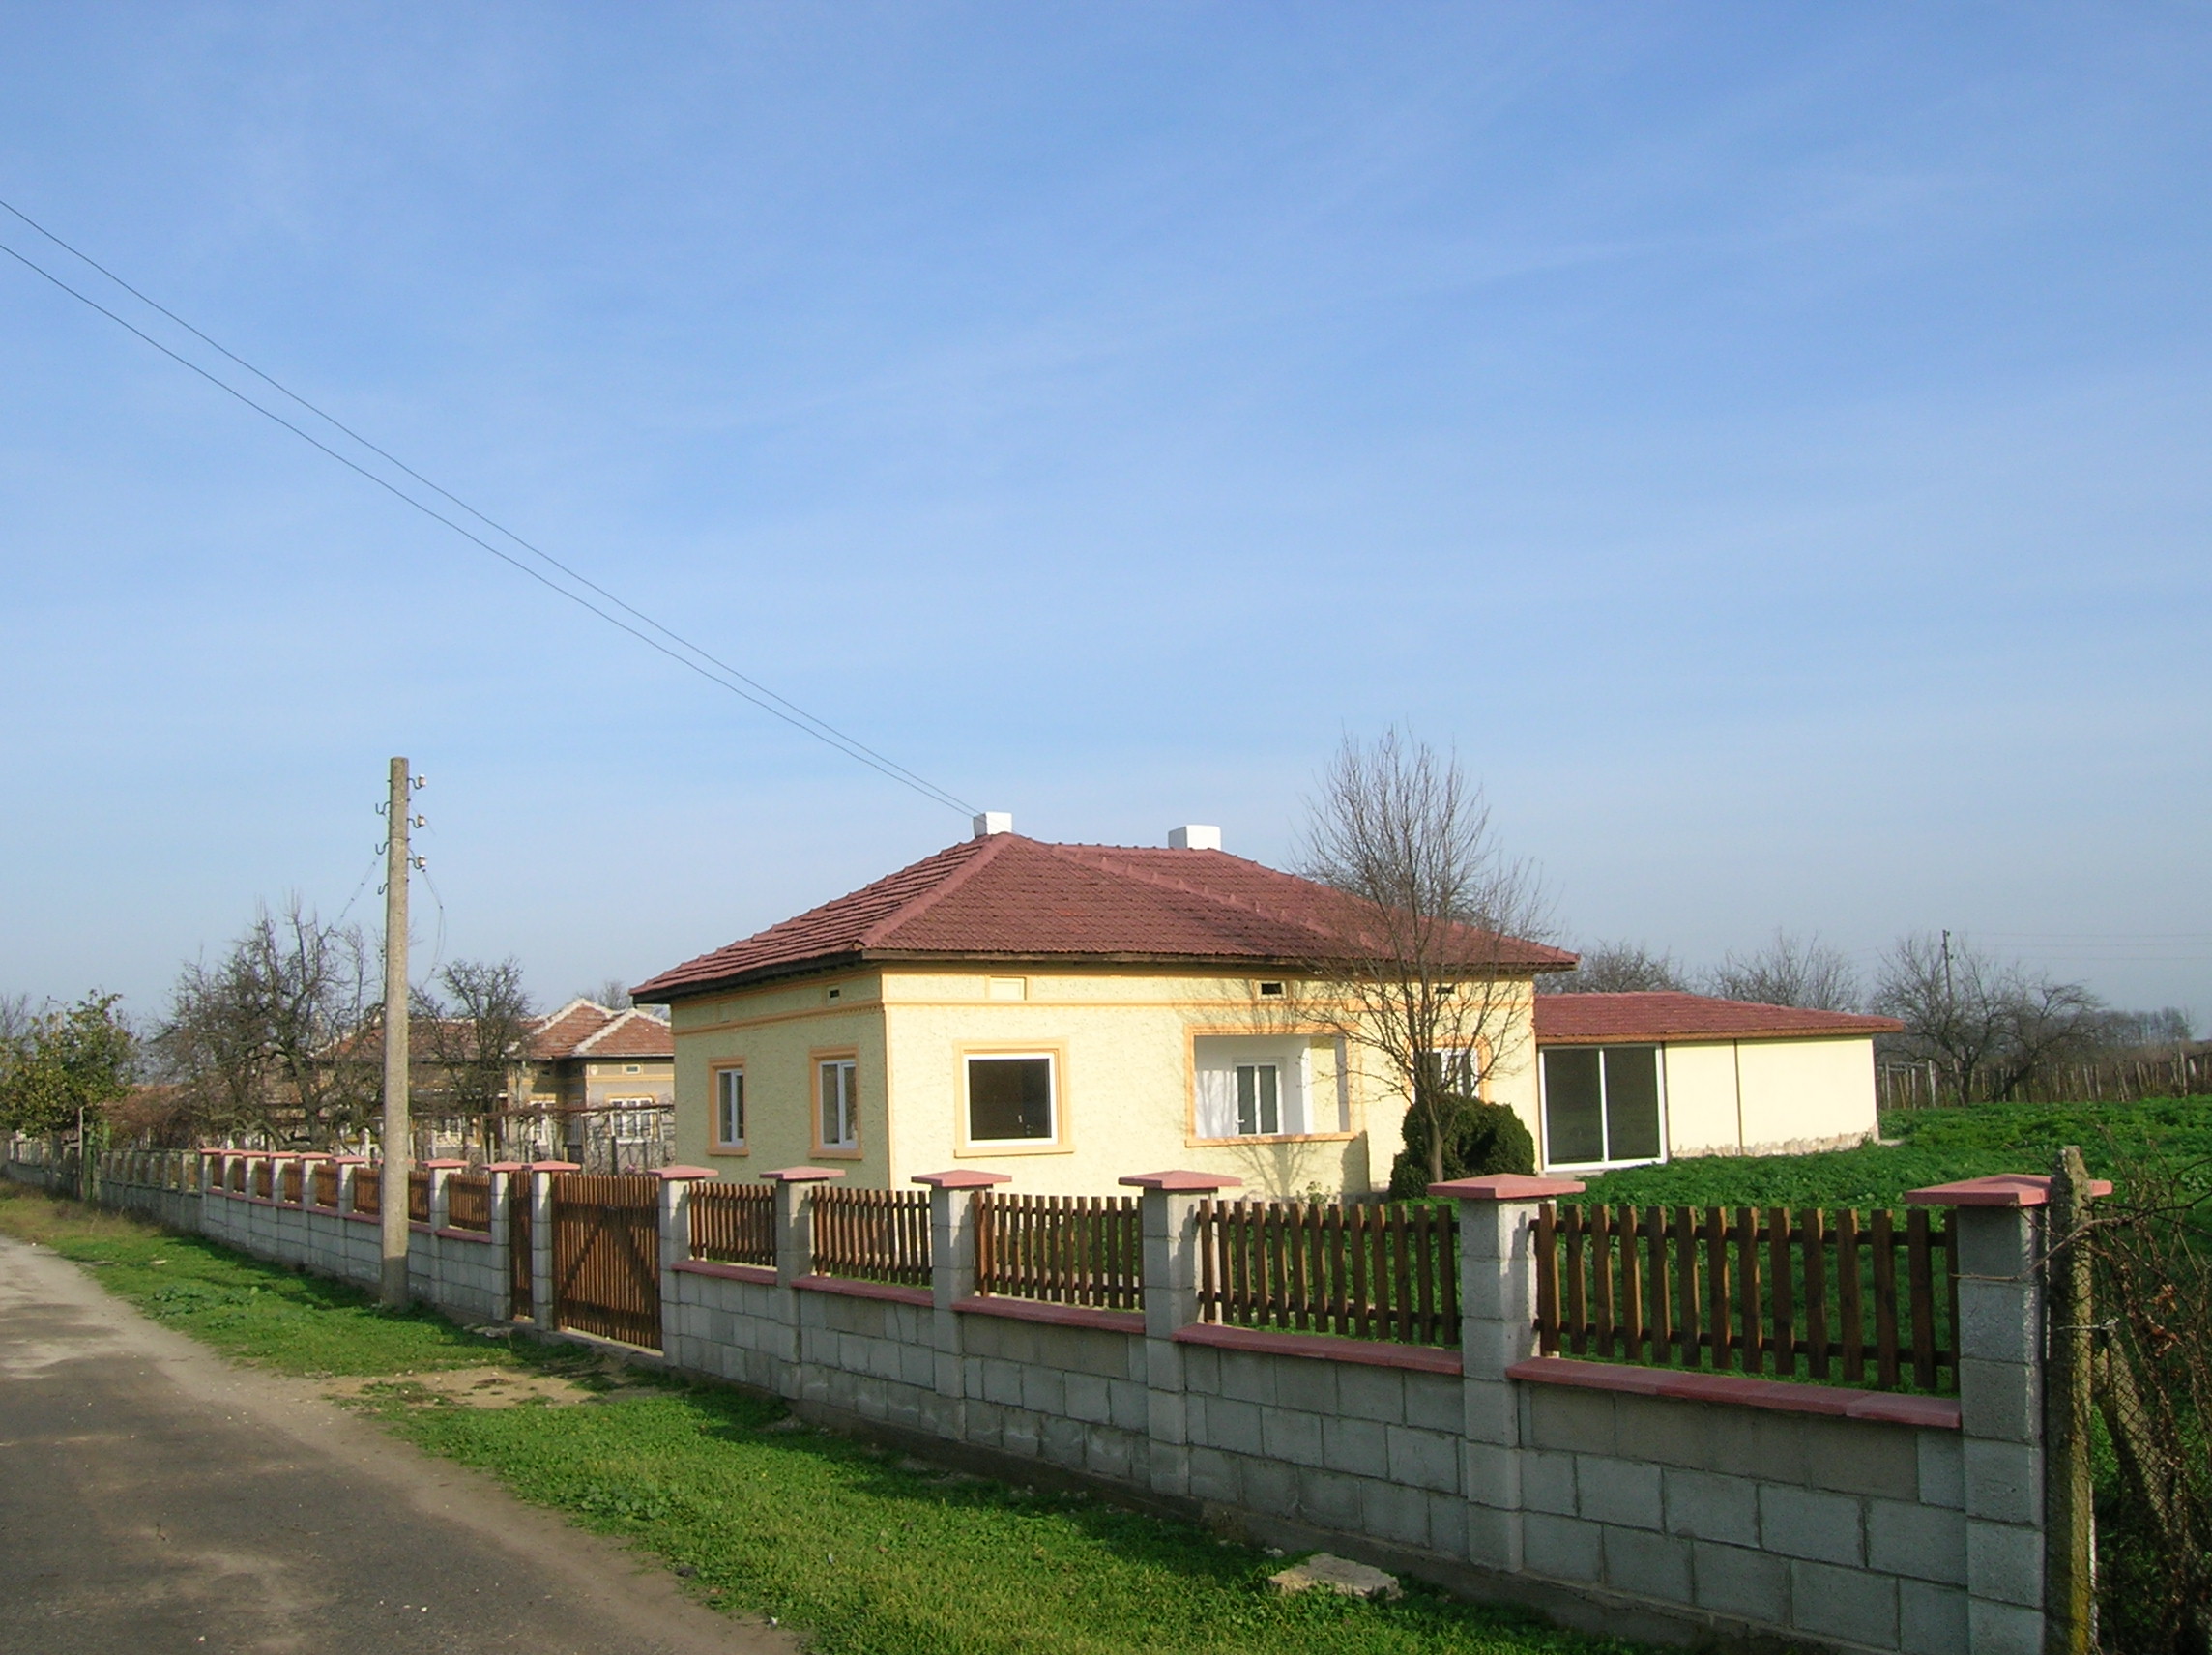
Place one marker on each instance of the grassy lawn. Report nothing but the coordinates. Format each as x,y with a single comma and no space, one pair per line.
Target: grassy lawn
1938,1146
866,1552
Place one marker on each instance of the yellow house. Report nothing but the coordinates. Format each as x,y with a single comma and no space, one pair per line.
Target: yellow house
1064,1014
1626,1078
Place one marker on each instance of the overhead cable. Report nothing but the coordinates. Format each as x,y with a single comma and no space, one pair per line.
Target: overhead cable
698,659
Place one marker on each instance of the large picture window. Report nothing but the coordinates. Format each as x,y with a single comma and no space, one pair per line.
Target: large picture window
1603,1105
1012,1099
840,1120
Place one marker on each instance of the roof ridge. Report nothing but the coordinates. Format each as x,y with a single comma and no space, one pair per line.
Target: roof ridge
615,1021
1221,898
555,1015
923,900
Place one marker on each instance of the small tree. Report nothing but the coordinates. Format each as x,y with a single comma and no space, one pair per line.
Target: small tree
64,1072
1430,961
477,1032
1811,973
268,1038
1990,1023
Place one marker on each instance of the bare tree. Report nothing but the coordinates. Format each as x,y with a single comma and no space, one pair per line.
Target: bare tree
613,994
478,1032
1432,959
268,1038
1991,1023
1617,968
1811,973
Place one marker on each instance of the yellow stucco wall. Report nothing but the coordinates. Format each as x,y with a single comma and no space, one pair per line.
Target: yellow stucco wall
1123,1045
1805,1092
1701,1098
777,1034
1753,1097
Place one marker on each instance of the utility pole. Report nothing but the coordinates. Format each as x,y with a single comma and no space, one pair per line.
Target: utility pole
398,1140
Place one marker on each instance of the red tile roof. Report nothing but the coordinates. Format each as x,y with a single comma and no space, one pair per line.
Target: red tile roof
586,1029
1590,1019
1009,897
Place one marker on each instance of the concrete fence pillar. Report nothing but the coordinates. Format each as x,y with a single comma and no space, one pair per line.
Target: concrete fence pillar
543,1289
794,1257
675,1244
1999,1232
952,1278
795,1218
346,1166
1498,1329
1171,1302
440,1172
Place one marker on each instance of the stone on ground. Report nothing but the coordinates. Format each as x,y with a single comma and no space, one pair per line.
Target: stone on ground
1338,1575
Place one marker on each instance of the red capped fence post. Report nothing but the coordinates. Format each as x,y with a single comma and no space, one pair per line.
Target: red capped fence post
2000,1239
1171,1302
675,1246
952,1198
1498,1329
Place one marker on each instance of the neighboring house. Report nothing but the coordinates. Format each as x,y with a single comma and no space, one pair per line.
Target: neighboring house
1066,1014
599,1089
1643,1077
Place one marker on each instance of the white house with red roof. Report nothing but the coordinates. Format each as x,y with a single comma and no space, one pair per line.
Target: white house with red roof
1625,1078
1064,1014
1067,1014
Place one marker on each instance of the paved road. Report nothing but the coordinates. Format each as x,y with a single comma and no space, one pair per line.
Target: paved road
154,1500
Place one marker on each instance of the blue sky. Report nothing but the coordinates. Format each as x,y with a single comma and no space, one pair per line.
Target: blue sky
1768,442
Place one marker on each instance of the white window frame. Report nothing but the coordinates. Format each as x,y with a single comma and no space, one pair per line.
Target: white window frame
847,1070
1215,1102
723,1139
967,1106
1605,1128
1262,1106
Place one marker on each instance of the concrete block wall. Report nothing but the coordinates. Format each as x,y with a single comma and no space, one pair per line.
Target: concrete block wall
1351,1448
1850,1532
1736,1508
461,1272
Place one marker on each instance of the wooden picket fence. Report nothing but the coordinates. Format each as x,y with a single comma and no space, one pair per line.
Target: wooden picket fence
326,1183
368,1190
878,1236
264,1179
1074,1249
1363,1270
418,1197
734,1224
468,1200
1806,1294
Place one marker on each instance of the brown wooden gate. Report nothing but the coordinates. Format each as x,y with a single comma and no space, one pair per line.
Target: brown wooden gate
520,1303
606,1256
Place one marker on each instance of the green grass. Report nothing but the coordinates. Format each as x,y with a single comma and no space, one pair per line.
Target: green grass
1938,1146
867,1553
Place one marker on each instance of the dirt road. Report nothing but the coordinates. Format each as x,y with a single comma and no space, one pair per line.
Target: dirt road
155,1499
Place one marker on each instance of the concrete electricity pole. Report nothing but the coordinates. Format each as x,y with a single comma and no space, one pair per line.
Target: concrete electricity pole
398,1142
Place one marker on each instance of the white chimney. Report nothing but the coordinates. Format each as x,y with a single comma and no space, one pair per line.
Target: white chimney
992,822
1197,836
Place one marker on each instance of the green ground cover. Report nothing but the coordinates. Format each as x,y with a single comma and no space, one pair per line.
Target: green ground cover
1934,1146
868,1553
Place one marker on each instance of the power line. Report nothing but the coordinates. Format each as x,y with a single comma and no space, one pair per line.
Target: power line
714,669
